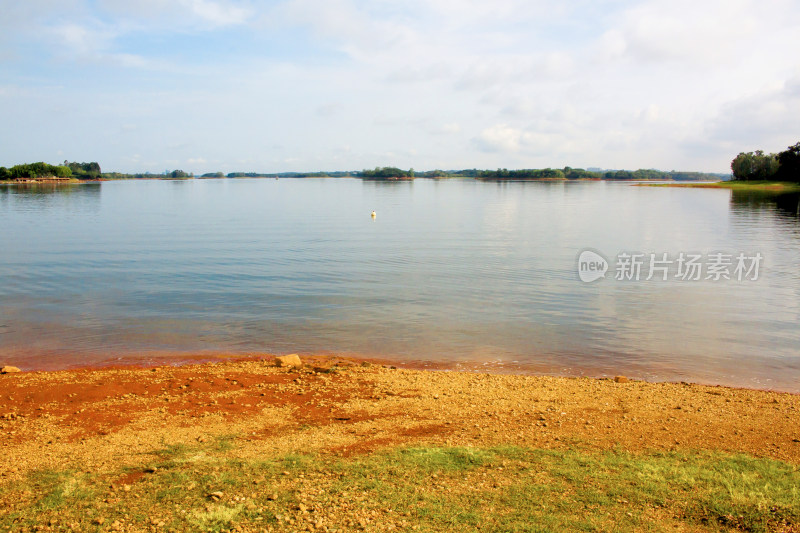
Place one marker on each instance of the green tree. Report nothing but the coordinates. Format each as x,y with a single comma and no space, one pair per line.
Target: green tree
84,170
63,172
580,174
619,175
435,174
789,164
742,166
38,170
387,173
552,174
755,166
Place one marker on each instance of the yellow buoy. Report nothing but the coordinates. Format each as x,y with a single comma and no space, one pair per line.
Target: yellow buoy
373,214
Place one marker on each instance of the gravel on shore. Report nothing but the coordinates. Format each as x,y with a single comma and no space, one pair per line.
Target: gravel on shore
104,419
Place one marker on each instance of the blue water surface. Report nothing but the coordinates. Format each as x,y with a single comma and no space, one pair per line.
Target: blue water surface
453,272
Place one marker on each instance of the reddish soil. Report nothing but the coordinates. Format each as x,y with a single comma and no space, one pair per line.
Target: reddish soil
119,416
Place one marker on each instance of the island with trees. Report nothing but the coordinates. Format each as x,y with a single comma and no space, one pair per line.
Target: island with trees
388,173
758,166
34,172
758,171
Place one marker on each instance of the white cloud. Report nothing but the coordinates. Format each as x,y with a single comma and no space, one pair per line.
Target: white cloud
93,44
177,14
218,13
350,28
432,83
765,120
503,138
692,32
78,38
451,127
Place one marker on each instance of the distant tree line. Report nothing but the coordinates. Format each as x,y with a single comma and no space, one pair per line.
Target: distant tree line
41,170
125,176
652,174
387,173
783,166
754,166
32,171
569,173
179,174
522,174
84,171
246,175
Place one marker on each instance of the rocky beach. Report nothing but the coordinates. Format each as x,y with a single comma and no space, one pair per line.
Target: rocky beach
109,422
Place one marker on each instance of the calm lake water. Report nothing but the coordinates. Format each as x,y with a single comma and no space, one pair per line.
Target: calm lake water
458,273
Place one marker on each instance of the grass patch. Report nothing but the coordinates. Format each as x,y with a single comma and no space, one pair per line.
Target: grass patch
430,488
224,443
443,459
172,452
54,489
778,186
216,518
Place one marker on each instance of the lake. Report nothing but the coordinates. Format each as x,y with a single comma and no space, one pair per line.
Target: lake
451,274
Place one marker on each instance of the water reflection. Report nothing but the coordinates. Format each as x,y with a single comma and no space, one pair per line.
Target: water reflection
382,182
42,195
46,188
785,205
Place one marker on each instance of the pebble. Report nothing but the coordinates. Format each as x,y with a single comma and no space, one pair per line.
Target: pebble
9,369
292,360
620,379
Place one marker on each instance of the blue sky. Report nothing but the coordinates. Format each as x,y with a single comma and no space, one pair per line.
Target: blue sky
306,85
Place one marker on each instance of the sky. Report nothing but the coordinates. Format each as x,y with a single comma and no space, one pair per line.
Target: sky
309,85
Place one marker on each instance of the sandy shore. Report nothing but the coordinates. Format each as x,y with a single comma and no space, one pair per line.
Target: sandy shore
104,419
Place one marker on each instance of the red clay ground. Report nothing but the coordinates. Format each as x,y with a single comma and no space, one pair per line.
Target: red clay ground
106,418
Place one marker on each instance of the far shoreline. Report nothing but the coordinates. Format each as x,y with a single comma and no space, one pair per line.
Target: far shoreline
654,182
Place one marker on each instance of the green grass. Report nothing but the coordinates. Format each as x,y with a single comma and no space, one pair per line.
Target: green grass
428,489
780,186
